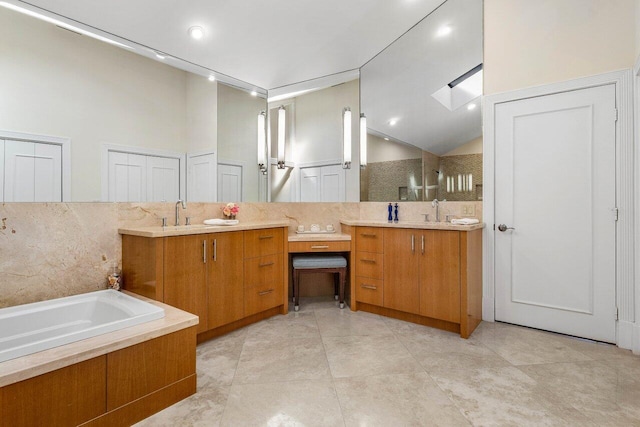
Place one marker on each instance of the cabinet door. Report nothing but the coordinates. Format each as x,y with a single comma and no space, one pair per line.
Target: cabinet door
185,275
225,278
440,276
402,259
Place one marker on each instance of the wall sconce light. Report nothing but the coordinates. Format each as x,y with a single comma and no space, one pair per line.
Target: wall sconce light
346,138
282,117
262,145
363,140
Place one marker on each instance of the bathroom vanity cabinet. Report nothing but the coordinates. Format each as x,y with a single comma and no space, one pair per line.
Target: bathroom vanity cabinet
227,278
430,275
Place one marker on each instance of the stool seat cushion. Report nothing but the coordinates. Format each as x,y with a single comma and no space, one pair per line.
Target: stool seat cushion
319,261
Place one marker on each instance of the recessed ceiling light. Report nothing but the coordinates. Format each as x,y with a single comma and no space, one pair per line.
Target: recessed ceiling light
471,107
254,93
212,78
445,30
160,56
386,139
393,122
196,32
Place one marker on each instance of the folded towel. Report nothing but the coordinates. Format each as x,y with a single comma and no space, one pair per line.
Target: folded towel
465,221
219,221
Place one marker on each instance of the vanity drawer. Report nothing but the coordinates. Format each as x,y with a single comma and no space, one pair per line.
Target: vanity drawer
369,264
320,246
369,239
263,242
264,271
262,298
369,291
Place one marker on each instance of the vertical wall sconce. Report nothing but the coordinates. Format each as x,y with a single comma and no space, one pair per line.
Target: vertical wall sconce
363,140
346,138
262,143
282,117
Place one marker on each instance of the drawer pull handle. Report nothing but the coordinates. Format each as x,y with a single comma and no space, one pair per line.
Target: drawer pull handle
204,251
320,247
368,286
268,291
368,235
266,264
265,237
372,261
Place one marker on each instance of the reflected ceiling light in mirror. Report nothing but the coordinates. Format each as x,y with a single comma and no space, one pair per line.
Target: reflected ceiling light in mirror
386,139
196,32
444,31
254,93
363,140
471,107
211,78
62,24
282,117
262,144
346,138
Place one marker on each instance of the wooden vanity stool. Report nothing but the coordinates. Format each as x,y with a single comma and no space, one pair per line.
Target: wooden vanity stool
335,264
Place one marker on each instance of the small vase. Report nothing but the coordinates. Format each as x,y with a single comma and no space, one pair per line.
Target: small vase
232,216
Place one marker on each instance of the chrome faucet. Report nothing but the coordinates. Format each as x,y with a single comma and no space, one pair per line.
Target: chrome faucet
184,206
436,205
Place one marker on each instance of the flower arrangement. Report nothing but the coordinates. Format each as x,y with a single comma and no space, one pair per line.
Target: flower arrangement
230,210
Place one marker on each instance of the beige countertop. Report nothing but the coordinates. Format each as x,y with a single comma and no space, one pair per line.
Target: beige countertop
25,367
319,237
182,230
413,224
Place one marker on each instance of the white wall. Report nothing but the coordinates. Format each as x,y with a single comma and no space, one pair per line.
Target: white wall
379,150
472,147
59,83
202,114
534,42
238,132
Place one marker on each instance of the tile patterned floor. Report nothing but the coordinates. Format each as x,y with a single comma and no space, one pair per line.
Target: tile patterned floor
324,366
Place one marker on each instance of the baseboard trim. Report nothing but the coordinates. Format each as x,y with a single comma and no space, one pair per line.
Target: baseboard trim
625,334
488,314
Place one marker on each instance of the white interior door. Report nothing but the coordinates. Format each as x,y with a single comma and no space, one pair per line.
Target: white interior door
201,179
333,184
127,177
229,183
310,182
163,179
32,172
555,185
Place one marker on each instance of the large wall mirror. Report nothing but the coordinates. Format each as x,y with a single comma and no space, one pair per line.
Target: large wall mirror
421,99
82,120
312,167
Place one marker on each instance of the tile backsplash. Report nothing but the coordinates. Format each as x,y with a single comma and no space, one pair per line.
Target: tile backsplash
51,250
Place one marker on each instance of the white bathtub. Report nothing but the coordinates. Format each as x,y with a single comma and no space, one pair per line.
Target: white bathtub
29,328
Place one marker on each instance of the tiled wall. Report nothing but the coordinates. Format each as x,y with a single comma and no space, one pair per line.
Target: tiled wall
50,250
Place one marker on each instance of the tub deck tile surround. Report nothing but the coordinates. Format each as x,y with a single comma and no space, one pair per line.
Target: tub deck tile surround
30,366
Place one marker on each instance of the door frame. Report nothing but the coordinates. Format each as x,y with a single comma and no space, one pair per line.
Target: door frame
625,258
63,142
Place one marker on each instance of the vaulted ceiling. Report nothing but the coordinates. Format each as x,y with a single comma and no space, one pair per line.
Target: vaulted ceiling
265,43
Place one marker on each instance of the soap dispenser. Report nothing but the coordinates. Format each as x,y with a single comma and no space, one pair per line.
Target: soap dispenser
396,214
390,217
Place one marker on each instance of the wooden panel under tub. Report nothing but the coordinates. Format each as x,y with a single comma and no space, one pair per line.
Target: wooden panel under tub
119,388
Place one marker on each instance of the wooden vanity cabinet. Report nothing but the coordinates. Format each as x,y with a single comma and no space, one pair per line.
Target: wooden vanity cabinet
431,277
225,278
185,275
368,259
402,260
440,275
228,279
